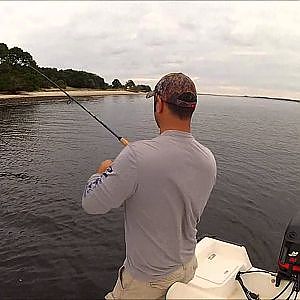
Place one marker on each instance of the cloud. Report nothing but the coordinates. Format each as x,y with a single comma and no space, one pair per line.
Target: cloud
249,46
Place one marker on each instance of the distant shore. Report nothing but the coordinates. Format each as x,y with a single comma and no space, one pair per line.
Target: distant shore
252,97
56,93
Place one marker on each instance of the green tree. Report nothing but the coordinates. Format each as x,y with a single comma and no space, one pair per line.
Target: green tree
61,83
3,52
143,88
140,88
72,78
129,84
15,75
116,84
18,57
92,83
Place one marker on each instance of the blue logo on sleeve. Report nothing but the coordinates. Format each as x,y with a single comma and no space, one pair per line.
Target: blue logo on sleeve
93,183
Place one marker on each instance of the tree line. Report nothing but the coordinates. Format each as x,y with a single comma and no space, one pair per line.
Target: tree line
16,76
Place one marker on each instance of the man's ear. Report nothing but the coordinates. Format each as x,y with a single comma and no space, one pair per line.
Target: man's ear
159,105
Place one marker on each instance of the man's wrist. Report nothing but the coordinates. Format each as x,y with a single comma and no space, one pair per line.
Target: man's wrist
104,165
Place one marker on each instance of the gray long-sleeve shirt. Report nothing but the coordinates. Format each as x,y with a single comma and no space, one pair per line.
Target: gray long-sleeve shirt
164,184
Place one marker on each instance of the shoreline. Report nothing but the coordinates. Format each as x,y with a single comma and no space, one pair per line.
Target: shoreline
251,97
56,93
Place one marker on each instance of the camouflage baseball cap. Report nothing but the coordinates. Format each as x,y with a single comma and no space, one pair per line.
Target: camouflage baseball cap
176,88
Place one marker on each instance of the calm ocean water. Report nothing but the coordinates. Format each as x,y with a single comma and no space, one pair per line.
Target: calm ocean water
51,249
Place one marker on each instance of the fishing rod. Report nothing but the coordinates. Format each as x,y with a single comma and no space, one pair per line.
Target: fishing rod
121,139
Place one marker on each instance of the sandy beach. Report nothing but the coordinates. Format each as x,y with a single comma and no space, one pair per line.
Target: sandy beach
57,93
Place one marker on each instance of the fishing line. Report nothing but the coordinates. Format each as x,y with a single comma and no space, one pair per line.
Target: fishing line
121,139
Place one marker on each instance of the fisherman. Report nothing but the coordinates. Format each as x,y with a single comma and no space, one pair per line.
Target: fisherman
164,184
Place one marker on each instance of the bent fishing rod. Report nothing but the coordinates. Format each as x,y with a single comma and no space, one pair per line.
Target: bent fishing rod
121,139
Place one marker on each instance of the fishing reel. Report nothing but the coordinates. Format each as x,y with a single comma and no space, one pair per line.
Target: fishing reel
289,257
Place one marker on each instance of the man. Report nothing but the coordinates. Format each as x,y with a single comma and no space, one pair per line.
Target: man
164,185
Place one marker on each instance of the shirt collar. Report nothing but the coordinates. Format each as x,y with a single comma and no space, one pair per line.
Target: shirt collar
177,133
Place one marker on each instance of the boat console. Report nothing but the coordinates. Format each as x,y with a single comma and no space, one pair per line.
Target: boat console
289,257
225,271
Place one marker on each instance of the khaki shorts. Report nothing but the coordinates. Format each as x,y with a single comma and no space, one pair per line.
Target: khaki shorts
129,288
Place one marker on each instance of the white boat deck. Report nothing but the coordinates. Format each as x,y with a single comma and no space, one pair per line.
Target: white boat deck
218,264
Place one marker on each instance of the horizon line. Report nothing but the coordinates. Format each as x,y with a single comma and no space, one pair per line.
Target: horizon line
250,96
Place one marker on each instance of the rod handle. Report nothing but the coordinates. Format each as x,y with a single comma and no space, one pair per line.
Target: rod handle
124,141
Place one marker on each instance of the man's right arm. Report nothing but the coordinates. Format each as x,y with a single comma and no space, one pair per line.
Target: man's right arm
111,188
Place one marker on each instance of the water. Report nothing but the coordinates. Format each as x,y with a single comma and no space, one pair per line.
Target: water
51,249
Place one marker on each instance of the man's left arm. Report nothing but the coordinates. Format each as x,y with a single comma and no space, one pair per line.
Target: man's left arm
111,188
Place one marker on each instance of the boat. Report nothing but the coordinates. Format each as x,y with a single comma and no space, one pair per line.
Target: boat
225,271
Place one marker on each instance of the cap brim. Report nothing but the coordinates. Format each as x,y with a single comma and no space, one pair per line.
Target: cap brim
150,94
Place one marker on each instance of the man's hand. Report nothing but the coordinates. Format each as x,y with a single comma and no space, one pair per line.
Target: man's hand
104,165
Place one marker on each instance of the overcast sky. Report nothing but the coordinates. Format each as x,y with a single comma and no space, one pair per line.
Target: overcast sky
225,47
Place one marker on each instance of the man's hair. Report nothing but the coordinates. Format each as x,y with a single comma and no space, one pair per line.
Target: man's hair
183,113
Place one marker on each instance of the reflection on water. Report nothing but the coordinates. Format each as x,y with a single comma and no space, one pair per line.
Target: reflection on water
50,249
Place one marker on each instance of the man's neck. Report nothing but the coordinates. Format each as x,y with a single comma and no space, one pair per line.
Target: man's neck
178,127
